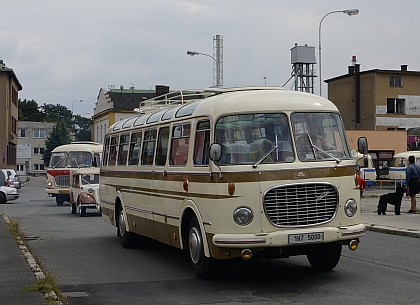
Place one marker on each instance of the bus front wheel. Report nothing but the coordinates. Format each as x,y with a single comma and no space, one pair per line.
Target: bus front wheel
325,257
59,200
127,239
204,267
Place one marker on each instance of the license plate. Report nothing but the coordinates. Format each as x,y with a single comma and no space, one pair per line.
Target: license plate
306,238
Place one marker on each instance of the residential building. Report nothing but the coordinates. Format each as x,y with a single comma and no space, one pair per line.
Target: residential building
31,146
9,88
377,99
113,105
376,102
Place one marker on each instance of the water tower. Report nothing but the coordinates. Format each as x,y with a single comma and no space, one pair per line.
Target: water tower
303,60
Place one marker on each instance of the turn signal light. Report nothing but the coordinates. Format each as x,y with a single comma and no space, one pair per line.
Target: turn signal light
231,188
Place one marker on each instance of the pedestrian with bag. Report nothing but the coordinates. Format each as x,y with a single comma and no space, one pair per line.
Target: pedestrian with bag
412,174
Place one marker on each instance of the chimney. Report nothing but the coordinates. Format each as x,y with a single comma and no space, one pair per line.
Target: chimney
356,68
351,70
404,68
161,89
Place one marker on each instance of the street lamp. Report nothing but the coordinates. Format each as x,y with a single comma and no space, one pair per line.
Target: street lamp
351,12
193,53
72,104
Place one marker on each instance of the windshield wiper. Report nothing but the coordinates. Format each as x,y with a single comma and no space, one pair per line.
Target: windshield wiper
328,154
57,163
265,156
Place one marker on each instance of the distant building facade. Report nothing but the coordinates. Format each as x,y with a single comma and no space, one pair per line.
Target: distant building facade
9,88
113,105
377,99
377,103
31,146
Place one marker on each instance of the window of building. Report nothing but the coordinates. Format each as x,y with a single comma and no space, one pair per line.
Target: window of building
21,133
39,133
38,150
395,105
20,167
395,81
14,125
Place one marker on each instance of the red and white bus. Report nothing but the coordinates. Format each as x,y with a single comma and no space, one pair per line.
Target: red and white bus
65,157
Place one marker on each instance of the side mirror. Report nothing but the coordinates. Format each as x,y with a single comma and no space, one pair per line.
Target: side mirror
362,145
215,152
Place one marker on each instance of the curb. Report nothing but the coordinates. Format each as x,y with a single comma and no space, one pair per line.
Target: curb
39,274
393,230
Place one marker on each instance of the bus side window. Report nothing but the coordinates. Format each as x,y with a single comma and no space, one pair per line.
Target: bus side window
162,148
180,144
106,152
202,143
148,147
134,155
113,151
123,149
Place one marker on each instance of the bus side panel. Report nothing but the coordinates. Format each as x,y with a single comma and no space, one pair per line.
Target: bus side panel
138,203
168,199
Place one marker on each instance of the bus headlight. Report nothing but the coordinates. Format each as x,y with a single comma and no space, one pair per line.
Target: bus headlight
243,216
90,190
350,207
49,184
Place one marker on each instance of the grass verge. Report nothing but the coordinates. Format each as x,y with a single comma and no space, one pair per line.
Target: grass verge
48,283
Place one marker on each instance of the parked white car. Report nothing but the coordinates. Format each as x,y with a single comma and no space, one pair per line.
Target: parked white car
8,194
11,178
84,190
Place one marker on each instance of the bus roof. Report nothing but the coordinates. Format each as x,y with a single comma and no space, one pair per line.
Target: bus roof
406,154
79,146
217,101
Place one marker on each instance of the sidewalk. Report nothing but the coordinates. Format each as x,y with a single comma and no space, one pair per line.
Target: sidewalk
404,224
15,274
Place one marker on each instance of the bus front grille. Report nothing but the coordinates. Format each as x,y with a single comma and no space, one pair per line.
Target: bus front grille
301,204
62,181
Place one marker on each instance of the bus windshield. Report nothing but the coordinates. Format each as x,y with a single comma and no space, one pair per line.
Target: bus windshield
249,138
319,136
58,160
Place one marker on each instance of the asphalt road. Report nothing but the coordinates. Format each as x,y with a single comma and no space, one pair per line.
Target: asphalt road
91,267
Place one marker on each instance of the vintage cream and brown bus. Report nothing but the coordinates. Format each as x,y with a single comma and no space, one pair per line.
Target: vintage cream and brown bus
234,172
65,157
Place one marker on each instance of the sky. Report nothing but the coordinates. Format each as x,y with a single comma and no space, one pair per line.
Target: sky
65,51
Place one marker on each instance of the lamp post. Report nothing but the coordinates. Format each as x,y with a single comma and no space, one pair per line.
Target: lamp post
218,80
72,104
351,12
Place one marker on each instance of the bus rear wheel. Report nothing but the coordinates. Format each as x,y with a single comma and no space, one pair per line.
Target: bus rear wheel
325,257
127,239
73,208
204,267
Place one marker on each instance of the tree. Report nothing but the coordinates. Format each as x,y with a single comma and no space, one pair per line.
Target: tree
30,111
58,136
82,128
57,113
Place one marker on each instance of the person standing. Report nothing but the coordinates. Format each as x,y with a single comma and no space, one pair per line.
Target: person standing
416,144
412,174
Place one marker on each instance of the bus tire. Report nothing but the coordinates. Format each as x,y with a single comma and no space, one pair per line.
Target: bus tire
127,239
204,267
82,211
73,208
2,198
59,200
325,257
